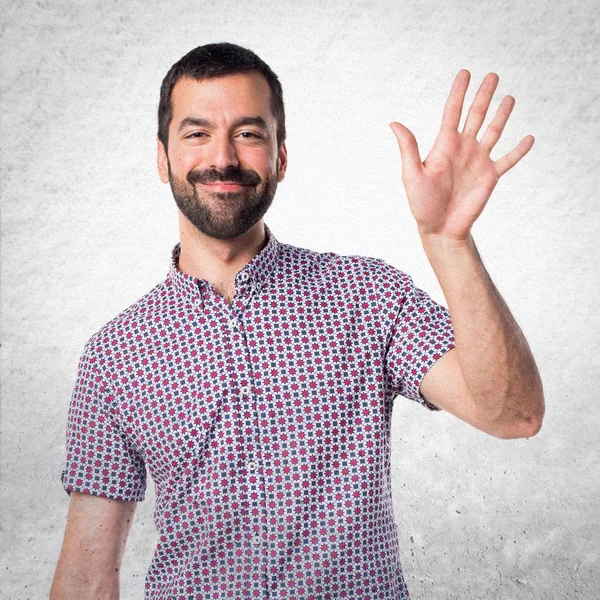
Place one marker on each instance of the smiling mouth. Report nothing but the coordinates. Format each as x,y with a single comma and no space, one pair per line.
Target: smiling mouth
224,186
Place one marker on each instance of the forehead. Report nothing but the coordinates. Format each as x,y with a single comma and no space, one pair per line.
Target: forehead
240,94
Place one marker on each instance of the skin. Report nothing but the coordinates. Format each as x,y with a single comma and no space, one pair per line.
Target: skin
222,145
92,551
490,379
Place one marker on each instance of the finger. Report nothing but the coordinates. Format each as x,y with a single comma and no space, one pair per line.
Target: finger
509,160
480,105
496,127
409,149
454,103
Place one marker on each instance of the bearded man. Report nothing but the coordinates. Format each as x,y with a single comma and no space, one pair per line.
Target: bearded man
255,383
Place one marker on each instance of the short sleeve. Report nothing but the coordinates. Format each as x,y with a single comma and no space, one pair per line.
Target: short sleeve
421,333
100,459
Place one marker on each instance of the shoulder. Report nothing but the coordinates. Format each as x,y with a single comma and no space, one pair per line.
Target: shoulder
129,323
372,281
389,284
347,266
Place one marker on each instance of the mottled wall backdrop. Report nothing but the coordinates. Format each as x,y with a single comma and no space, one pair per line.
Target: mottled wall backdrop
87,229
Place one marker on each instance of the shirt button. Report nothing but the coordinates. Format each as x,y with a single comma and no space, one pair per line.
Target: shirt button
256,540
244,276
245,390
233,324
251,465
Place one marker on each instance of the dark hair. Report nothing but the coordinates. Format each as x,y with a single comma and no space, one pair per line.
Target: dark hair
216,60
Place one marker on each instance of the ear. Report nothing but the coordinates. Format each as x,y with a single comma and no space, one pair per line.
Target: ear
282,160
162,162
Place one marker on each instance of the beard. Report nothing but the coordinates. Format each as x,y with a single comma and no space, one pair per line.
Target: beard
223,215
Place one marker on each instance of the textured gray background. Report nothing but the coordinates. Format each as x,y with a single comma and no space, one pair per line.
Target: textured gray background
87,229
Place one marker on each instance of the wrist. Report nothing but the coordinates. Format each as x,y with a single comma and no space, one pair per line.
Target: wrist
450,255
438,241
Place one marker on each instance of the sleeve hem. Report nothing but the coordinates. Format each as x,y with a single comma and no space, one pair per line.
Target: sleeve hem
422,400
140,497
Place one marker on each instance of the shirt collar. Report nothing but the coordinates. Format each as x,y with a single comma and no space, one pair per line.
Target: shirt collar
253,275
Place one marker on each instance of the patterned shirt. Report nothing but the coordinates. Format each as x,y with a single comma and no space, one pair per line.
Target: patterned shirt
265,424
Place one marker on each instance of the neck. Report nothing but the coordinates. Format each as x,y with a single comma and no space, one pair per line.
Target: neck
218,261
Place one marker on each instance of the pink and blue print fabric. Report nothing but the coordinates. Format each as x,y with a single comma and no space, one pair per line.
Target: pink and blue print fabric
264,424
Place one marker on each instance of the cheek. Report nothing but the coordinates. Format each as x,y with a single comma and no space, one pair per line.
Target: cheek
261,161
182,162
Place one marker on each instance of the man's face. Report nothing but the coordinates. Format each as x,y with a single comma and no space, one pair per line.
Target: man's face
223,164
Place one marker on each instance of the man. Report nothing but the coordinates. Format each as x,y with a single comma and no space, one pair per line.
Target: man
256,382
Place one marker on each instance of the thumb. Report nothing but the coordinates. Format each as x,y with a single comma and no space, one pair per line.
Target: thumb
409,149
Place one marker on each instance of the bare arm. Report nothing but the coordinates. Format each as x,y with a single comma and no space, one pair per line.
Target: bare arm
490,379
493,382
93,546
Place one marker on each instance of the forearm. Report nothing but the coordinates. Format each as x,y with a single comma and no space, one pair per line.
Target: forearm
495,359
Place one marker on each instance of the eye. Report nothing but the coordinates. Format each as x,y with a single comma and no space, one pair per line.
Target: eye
195,134
251,134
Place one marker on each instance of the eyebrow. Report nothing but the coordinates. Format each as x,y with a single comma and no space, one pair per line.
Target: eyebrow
198,122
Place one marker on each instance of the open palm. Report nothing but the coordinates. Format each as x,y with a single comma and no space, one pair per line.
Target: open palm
449,190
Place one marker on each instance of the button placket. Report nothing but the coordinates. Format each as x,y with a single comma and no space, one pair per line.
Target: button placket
245,288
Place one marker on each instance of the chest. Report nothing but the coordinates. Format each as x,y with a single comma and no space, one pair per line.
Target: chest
226,290
286,376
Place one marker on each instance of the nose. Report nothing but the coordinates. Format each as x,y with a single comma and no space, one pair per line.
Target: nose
221,153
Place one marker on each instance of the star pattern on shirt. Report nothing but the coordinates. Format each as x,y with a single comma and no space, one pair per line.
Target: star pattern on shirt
264,424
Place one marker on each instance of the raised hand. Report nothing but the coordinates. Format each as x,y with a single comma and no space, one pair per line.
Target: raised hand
448,191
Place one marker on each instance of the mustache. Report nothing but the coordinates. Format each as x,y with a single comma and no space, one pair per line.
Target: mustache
232,174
